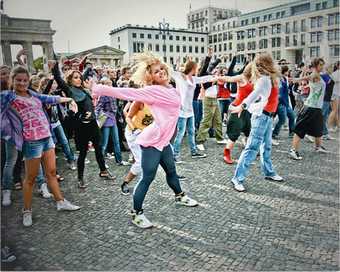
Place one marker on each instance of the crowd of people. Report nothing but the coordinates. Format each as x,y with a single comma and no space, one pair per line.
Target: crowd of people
146,109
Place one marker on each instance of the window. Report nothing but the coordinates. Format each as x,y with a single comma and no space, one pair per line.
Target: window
316,22
287,28
334,50
171,60
202,39
276,42
333,19
184,38
118,39
171,37
324,5
316,36
184,49
287,41
295,28
314,51
230,46
149,47
164,48
240,47
171,48
220,47
138,47
262,31
177,48
196,39
294,40
196,49
303,25
202,50
190,39
318,6
190,49
164,37
265,18
225,47
157,37
335,3
215,48
157,48
278,14
177,38
149,36
283,13
276,29
251,33
240,35
299,9
134,35
333,35
263,44
134,45
251,45
303,39
141,35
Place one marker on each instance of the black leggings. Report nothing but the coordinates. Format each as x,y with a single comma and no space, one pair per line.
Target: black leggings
151,158
86,132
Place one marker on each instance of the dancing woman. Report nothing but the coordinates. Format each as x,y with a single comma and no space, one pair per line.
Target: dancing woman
262,104
164,102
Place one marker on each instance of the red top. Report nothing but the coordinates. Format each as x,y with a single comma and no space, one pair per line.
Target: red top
242,93
223,91
273,100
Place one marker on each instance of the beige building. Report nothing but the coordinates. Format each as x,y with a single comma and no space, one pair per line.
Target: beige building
296,31
100,56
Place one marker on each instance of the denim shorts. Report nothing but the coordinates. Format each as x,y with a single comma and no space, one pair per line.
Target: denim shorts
35,149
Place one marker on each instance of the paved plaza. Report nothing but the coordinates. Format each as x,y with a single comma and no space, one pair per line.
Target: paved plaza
273,226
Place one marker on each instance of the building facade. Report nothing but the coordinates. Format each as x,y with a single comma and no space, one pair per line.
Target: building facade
203,18
171,44
297,31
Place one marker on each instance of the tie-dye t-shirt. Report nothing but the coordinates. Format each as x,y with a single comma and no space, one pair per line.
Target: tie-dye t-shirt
35,123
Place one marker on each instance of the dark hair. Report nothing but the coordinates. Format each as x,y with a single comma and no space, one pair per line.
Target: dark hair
301,65
317,61
124,70
284,69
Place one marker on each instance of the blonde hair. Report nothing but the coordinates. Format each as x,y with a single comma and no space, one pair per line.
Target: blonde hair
263,64
142,75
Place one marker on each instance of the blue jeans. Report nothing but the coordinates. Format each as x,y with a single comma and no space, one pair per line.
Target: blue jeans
284,111
223,104
198,112
326,110
106,131
260,138
61,138
11,158
182,124
151,158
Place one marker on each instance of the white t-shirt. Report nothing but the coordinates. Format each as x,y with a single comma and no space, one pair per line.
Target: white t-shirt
336,78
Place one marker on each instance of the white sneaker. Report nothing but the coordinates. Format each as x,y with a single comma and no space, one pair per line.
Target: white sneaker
87,161
27,218
274,178
106,166
178,160
109,156
321,149
200,147
328,137
224,141
131,159
275,142
124,163
310,138
141,221
44,192
238,186
6,198
72,166
186,201
66,206
294,155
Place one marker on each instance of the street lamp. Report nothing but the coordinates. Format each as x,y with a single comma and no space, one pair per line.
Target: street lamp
164,30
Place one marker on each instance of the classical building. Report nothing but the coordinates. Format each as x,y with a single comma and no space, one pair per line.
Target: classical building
169,44
102,55
203,18
297,31
25,32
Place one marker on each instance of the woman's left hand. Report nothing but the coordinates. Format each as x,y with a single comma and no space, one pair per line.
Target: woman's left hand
237,109
73,106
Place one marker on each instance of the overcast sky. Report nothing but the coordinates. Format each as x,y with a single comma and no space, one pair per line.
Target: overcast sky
87,23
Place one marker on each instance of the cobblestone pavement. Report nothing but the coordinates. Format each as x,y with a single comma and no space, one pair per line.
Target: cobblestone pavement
274,226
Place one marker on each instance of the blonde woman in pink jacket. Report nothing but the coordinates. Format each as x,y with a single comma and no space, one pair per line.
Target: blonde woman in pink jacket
164,101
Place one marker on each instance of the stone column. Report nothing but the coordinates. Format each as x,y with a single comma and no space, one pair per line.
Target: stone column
48,53
6,52
29,49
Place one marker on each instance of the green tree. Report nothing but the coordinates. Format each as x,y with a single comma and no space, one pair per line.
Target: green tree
38,64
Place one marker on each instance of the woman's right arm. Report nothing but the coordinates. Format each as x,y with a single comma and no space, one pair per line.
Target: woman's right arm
61,83
235,79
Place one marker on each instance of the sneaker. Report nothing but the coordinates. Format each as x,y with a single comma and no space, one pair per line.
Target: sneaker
185,201
140,220
123,163
321,149
294,155
328,137
198,155
224,123
131,158
109,156
125,188
227,156
6,255
72,166
81,184
106,166
44,192
200,147
27,218
87,161
310,138
6,198
224,141
274,178
182,177
275,142
65,205
238,186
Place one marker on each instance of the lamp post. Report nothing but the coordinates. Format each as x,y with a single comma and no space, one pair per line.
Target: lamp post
164,30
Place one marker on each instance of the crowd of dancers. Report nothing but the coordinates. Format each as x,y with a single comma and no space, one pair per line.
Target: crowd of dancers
147,109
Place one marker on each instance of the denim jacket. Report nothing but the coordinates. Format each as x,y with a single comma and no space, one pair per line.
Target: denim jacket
11,123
